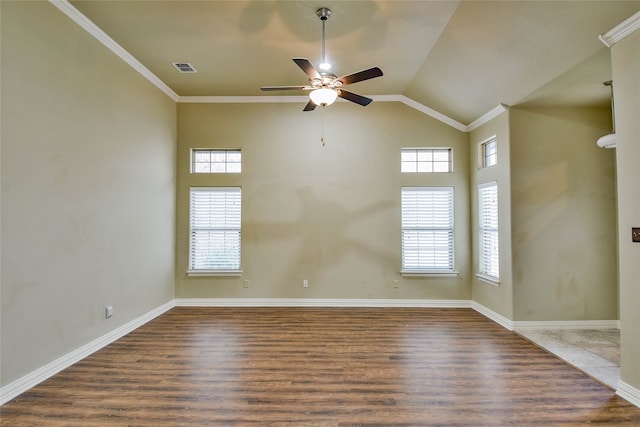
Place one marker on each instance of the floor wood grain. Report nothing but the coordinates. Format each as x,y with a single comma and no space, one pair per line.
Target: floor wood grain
320,367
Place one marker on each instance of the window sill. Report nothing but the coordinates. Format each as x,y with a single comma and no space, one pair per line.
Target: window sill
214,273
427,273
488,279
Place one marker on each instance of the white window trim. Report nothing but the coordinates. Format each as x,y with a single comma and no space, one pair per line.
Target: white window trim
214,273
483,276
488,279
451,162
429,273
211,272
481,156
192,152
434,272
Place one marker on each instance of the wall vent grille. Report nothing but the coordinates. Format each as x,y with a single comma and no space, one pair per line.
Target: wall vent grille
184,67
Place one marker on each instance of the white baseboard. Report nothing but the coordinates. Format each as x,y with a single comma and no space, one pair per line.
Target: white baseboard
628,393
566,324
318,302
496,317
519,325
34,378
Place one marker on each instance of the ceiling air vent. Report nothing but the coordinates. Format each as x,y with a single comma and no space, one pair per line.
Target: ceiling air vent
184,67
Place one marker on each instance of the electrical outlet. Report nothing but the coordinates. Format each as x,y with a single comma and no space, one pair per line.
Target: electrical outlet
246,283
305,283
395,283
108,311
635,234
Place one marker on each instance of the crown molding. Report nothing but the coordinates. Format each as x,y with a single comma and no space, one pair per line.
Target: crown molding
84,22
486,117
240,99
275,99
621,31
432,113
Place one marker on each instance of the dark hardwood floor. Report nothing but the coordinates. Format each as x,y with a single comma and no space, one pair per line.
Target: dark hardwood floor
320,367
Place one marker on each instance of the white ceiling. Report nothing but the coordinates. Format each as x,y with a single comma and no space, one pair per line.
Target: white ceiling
461,59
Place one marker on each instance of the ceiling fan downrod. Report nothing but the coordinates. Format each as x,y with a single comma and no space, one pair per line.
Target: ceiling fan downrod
324,13
325,86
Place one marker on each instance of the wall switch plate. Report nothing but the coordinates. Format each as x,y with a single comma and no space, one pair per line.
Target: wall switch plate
635,234
108,311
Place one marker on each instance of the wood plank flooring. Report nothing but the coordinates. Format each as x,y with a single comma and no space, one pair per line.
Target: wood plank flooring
320,367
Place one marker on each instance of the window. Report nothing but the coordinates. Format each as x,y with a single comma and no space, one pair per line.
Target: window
214,230
489,152
425,160
216,161
488,214
427,230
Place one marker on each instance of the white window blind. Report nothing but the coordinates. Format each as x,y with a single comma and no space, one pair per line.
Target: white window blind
488,214
427,229
215,218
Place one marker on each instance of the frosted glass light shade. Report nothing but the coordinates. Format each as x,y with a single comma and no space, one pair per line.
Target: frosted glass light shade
323,96
607,141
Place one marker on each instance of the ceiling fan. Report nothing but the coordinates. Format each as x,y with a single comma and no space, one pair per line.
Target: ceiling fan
325,86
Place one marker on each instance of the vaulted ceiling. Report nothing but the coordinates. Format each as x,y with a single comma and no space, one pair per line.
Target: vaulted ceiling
460,58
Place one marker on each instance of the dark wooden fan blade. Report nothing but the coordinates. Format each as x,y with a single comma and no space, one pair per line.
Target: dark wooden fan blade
306,66
310,106
354,97
360,76
270,88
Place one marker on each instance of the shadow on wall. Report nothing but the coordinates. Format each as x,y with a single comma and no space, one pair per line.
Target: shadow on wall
543,199
321,235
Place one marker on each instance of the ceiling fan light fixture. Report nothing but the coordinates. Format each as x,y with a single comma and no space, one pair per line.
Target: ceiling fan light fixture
323,96
325,86
609,141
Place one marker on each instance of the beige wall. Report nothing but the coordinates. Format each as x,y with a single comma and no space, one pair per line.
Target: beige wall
563,215
88,189
329,214
626,81
496,297
88,176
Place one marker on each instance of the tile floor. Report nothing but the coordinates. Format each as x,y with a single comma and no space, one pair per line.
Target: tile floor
594,351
